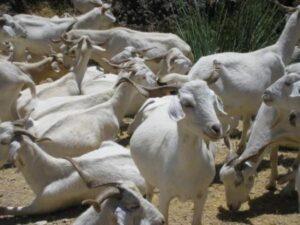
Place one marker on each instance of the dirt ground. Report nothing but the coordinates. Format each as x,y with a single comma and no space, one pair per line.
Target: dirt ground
265,208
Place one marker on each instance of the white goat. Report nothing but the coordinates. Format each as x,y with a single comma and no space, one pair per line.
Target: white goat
84,6
50,67
245,76
173,61
54,181
68,85
12,80
120,204
35,33
271,128
170,151
78,131
116,39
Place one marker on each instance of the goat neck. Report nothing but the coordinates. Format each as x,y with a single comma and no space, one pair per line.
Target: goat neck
37,167
122,98
192,150
81,66
270,128
35,68
289,37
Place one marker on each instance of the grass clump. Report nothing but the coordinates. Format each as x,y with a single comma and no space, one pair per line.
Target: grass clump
226,26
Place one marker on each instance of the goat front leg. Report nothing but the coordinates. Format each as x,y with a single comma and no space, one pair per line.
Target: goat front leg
39,205
149,191
198,212
274,170
246,126
164,202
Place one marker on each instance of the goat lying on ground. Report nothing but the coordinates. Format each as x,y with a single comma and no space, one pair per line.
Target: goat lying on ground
54,181
116,39
34,33
76,132
119,203
68,85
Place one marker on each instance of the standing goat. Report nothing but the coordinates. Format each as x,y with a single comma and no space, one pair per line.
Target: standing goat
271,128
245,76
169,147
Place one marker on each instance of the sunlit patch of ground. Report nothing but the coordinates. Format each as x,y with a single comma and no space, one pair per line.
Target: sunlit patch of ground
265,207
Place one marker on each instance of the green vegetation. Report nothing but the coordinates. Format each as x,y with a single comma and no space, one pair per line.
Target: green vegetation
244,26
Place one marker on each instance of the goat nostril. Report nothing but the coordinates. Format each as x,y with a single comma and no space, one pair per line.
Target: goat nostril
216,128
267,96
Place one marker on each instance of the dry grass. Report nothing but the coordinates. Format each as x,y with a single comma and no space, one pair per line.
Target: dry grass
265,208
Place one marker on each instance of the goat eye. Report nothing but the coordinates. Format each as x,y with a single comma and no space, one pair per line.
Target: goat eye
288,82
188,104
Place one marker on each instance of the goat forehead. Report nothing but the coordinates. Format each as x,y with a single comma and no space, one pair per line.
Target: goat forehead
198,89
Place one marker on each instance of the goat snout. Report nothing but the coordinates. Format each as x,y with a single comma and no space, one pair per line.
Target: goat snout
267,97
217,129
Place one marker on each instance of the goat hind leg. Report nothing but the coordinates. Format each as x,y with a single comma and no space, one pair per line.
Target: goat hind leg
246,126
274,171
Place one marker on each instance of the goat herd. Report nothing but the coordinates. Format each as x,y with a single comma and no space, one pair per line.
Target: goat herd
60,116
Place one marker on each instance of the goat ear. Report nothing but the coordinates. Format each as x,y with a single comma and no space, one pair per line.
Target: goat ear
13,149
215,74
295,92
175,109
120,215
99,48
219,107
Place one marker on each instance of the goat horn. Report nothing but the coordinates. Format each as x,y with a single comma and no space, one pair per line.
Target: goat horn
93,203
138,87
112,64
20,131
161,91
288,9
286,177
215,75
110,192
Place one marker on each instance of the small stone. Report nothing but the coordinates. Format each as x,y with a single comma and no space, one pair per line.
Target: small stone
43,222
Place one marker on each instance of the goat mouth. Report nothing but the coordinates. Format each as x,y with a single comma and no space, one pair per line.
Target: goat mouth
212,136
